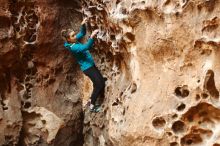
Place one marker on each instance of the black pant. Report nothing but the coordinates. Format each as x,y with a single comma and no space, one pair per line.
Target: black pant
98,82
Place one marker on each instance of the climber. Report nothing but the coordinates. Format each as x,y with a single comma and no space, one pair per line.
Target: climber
85,60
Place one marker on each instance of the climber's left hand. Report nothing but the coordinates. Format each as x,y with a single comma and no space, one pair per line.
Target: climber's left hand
94,33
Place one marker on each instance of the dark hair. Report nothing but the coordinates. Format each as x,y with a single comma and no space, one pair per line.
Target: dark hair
65,33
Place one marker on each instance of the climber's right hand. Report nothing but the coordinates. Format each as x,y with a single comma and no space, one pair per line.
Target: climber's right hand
94,33
85,20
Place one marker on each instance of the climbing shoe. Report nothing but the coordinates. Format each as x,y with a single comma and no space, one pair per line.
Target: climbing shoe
95,109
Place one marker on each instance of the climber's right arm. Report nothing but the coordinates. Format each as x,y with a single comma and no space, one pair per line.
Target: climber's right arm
83,47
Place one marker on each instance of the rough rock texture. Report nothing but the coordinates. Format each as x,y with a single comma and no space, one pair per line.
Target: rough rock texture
40,83
161,59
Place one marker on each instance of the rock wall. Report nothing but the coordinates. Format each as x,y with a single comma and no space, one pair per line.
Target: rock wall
161,59
40,82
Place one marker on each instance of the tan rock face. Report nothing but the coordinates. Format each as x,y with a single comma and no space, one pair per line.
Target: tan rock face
161,59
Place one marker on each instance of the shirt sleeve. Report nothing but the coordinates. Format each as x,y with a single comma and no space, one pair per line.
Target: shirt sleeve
67,46
82,32
83,47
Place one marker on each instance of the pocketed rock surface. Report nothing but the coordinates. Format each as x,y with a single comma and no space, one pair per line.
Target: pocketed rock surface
161,60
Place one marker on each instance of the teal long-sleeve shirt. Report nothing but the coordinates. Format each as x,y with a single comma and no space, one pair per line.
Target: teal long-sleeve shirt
81,51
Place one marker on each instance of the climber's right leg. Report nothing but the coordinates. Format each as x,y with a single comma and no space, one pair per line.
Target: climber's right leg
98,84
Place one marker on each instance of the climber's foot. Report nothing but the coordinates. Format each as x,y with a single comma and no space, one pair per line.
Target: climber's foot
95,109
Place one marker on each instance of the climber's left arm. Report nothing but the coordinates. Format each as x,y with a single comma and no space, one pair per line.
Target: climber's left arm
77,48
